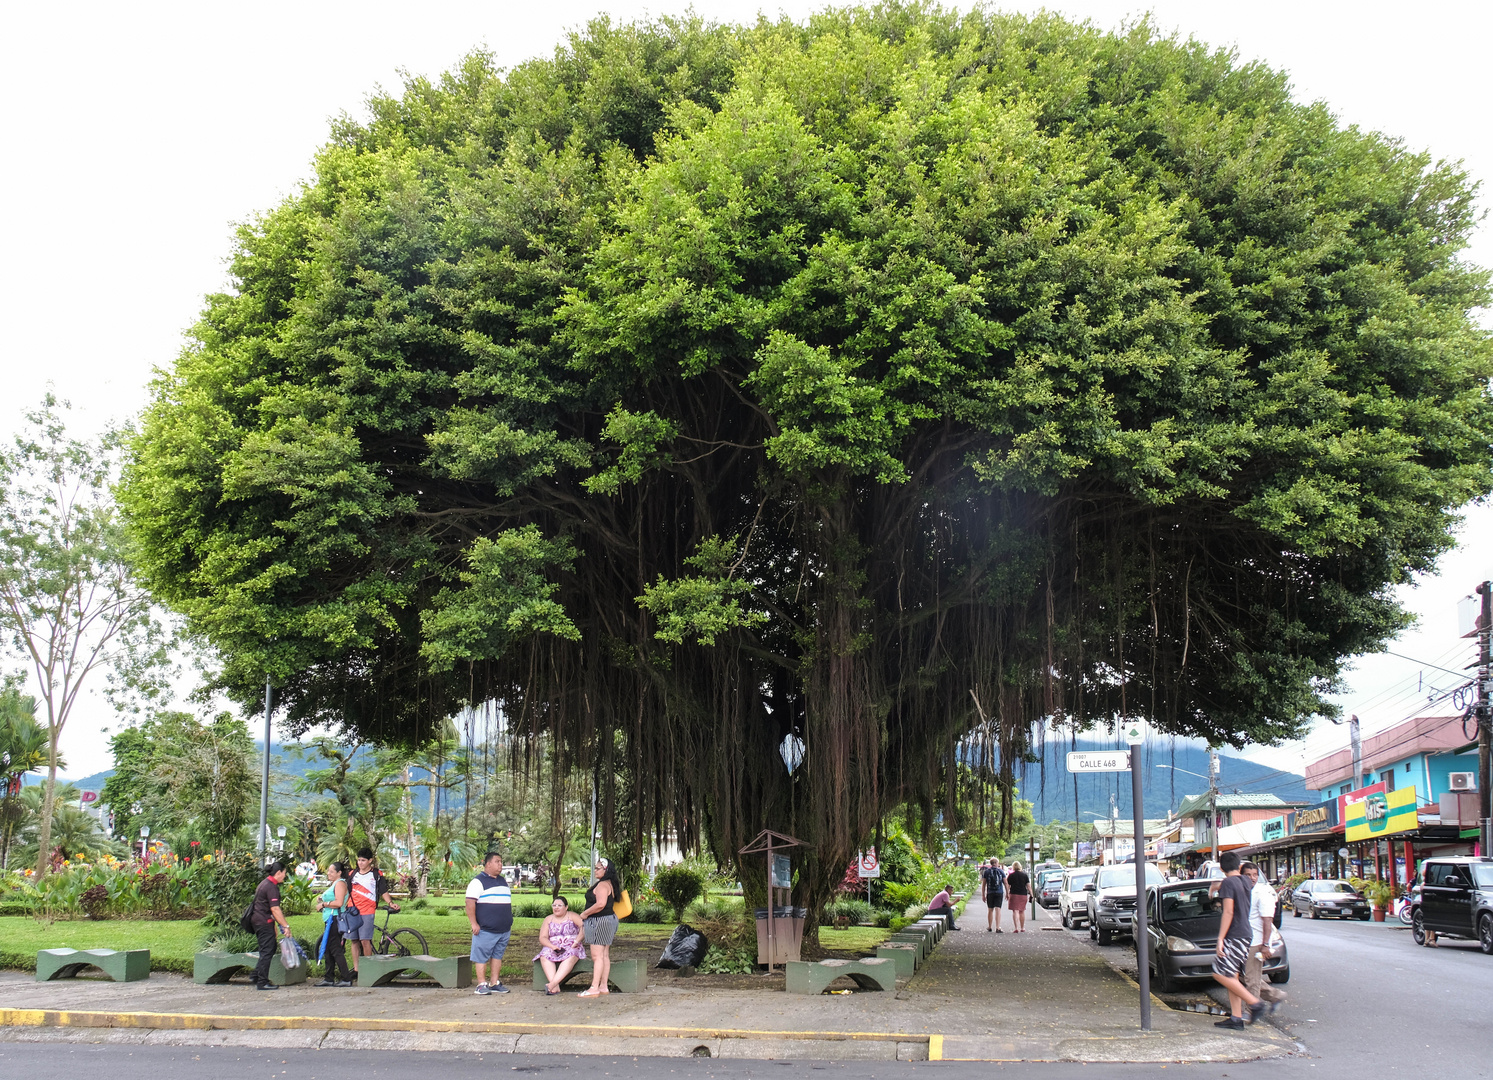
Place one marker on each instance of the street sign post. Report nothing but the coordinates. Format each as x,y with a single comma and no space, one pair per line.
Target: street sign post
1135,732
1142,905
1082,761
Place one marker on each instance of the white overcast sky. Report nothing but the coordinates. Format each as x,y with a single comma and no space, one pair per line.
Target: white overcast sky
139,133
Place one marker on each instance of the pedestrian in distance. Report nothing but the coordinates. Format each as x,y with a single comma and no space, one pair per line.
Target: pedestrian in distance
943,904
993,881
490,913
600,924
335,906
1264,936
1232,950
265,916
366,889
559,944
1018,892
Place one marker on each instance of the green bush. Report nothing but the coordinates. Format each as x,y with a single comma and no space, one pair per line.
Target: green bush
897,922
898,895
855,911
678,887
296,896
882,917
649,911
440,911
532,909
227,885
420,904
730,960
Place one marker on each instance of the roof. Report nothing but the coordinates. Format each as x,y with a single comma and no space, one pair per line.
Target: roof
1126,827
1194,805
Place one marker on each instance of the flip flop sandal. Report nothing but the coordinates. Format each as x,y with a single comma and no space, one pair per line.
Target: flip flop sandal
550,993
592,992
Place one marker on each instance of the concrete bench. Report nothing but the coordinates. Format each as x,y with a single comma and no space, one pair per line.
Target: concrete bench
813,977
905,957
130,965
938,923
452,972
213,967
627,976
920,942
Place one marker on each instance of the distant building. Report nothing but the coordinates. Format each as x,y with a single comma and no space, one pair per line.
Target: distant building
1114,840
1415,796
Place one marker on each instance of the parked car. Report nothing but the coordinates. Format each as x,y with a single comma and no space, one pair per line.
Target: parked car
1072,903
1111,899
1183,924
1329,896
1049,883
1456,899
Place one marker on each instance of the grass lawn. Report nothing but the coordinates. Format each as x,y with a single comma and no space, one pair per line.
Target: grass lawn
172,943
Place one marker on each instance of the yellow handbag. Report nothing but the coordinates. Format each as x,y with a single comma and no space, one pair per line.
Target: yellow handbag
622,906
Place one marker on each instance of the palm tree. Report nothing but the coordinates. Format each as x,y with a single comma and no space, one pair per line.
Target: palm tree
23,749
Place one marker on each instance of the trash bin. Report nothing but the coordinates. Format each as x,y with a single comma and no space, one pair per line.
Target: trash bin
788,934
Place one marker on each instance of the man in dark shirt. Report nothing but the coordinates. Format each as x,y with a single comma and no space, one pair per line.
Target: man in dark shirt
1232,951
993,878
264,916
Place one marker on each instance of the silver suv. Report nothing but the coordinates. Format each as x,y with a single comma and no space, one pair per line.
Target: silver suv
1112,899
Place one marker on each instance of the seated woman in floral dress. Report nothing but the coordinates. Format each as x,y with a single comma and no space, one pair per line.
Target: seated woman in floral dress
559,944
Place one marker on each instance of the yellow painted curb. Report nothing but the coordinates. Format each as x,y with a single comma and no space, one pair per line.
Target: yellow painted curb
935,1047
228,1022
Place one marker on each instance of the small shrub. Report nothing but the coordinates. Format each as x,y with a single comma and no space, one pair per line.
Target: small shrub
897,922
420,904
853,911
650,911
532,909
440,911
735,960
898,896
226,941
915,912
881,917
95,902
678,887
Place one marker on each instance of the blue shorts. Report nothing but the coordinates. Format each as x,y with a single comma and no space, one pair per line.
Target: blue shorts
489,945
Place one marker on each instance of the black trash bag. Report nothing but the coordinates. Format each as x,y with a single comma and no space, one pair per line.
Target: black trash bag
686,948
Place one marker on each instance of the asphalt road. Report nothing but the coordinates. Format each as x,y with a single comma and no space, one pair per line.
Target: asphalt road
1365,1001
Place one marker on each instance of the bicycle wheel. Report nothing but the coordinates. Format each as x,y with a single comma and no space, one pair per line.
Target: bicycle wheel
405,942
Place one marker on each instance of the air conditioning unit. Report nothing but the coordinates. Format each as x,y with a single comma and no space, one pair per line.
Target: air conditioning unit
1461,781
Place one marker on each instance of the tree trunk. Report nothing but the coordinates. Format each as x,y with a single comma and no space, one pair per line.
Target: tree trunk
48,799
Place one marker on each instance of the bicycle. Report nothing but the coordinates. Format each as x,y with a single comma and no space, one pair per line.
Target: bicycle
406,941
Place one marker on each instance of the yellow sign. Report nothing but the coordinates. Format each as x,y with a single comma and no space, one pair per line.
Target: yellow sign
1381,814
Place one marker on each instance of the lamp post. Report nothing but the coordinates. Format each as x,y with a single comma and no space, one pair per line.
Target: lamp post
280,841
144,837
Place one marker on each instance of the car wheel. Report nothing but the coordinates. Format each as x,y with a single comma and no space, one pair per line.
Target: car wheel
1485,934
1281,977
1162,981
1092,934
1418,927
1316,914
1363,918
1295,911
1067,921
1105,936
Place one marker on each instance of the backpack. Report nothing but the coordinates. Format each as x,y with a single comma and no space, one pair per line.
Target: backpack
246,920
995,879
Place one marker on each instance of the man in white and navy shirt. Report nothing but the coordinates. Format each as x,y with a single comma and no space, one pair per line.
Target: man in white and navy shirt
490,911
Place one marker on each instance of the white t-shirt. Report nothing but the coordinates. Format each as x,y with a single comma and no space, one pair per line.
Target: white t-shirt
1262,907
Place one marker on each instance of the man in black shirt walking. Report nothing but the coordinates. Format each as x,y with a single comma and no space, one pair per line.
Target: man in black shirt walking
1232,951
264,916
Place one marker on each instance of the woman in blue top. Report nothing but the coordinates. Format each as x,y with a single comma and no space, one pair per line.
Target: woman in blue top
332,903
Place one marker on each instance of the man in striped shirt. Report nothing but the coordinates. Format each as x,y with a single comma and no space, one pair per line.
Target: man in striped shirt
490,911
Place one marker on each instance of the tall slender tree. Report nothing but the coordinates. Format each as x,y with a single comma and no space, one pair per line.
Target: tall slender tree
69,603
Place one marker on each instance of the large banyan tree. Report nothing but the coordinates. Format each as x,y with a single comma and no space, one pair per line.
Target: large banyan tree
909,380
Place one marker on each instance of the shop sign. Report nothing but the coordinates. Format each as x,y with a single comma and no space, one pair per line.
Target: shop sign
1274,829
1381,813
1085,850
1321,818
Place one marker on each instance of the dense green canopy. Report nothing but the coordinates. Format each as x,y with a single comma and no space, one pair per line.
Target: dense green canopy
896,378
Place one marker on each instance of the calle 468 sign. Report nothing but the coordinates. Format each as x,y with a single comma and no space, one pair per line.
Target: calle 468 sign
1080,761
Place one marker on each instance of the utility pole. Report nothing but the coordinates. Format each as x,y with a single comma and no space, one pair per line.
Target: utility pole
264,779
1484,719
1213,799
1355,740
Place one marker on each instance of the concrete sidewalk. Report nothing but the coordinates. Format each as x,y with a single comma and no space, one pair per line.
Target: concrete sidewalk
1040,996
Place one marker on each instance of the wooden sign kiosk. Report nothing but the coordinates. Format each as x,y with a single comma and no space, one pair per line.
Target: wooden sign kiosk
783,939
